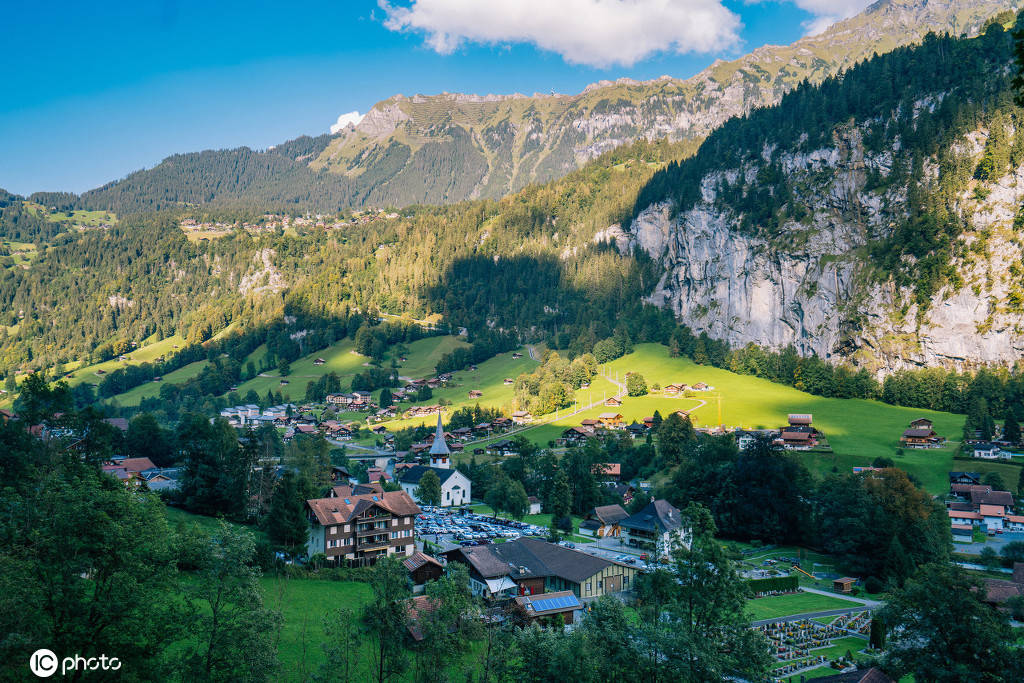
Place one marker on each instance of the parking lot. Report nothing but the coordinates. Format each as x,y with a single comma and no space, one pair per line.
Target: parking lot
450,528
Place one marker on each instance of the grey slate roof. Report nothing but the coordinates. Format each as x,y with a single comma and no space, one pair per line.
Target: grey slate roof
414,474
658,515
526,558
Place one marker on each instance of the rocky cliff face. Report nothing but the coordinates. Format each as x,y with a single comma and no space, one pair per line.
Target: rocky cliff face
515,140
817,288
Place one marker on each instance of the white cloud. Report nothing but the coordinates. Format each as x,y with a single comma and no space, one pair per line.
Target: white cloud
827,12
352,117
596,32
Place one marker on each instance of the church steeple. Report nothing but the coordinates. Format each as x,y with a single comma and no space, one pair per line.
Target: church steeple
439,453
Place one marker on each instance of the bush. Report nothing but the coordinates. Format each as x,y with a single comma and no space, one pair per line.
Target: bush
564,524
774,583
873,584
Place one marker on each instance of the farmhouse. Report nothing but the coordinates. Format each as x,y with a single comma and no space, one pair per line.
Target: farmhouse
658,527
575,436
607,470
529,566
920,437
456,488
613,402
522,417
503,448
603,521
610,419
798,437
357,525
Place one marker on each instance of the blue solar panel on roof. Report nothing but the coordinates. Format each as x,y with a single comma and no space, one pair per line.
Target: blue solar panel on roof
560,602
375,497
348,502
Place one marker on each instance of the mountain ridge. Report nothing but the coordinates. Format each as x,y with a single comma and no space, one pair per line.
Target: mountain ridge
450,147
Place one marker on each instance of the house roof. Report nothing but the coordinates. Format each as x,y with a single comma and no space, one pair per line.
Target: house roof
800,418
992,511
969,488
413,474
1000,590
136,464
612,469
957,514
609,416
345,509
1004,498
976,476
417,560
119,422
608,514
915,433
526,558
658,515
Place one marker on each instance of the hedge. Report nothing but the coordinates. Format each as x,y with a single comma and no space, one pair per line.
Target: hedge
774,583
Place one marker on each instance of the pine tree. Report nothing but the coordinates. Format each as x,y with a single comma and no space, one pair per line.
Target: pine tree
286,519
1011,428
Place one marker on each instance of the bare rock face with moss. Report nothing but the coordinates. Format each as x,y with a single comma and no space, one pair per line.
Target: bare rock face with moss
866,246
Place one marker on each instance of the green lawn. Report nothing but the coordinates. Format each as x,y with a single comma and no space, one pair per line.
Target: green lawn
133,397
796,603
857,430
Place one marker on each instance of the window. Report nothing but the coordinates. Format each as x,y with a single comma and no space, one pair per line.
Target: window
347,529
600,585
334,530
588,588
625,580
394,522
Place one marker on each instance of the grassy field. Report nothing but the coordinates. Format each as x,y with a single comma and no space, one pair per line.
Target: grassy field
342,359
146,353
777,606
857,430
133,397
304,603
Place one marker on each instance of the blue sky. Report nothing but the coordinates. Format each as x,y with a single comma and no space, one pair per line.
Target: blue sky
93,91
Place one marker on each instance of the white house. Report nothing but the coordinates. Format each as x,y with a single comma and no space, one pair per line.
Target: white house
456,488
657,528
993,516
989,451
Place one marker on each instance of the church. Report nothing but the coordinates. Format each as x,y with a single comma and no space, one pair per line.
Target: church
456,488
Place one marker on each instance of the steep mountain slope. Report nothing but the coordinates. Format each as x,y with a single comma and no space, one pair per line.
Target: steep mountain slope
875,218
450,147
502,143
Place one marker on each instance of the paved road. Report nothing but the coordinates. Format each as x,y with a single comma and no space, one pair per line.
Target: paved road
995,542
863,601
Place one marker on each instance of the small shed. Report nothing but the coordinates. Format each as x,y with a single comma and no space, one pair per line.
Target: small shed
844,585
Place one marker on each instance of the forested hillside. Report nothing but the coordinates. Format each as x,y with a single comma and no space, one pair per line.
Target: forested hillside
526,263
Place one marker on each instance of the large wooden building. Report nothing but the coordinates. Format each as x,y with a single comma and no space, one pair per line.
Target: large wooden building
529,566
358,524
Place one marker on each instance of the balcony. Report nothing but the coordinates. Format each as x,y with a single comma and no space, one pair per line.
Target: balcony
362,533
371,544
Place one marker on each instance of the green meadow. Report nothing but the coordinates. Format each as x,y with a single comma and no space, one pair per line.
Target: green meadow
857,430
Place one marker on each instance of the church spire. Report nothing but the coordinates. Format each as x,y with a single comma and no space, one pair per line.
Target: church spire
439,452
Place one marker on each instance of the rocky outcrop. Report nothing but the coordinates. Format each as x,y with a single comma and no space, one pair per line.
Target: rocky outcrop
816,288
